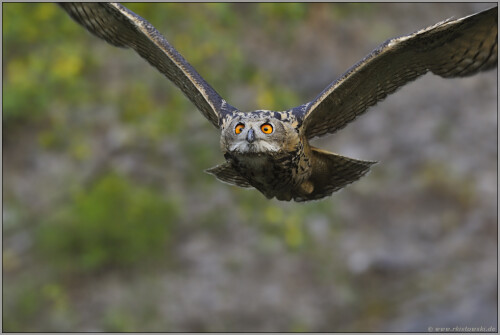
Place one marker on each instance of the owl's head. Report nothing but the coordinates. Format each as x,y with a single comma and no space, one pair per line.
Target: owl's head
257,132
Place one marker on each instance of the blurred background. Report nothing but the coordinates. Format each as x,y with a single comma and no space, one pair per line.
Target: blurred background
110,223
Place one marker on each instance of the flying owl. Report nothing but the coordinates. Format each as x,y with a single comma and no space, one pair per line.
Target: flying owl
270,150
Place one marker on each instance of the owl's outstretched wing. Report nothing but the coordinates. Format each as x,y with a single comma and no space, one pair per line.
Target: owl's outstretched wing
452,48
121,27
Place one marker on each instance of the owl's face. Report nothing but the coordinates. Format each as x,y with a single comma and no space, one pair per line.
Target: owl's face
257,132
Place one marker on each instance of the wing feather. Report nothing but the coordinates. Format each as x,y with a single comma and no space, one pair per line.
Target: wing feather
120,27
452,48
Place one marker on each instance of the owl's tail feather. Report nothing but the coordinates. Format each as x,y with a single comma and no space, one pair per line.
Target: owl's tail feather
227,174
331,172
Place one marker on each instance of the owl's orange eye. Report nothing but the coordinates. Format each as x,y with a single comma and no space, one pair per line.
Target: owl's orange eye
239,128
266,128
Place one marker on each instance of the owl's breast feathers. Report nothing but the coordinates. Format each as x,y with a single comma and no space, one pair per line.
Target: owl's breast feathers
281,174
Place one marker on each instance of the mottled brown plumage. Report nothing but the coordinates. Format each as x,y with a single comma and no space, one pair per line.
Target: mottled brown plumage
270,150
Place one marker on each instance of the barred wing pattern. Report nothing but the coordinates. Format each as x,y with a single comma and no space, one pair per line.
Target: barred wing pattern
120,27
452,48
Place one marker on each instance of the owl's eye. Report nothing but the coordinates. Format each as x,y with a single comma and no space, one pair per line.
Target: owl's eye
266,128
239,128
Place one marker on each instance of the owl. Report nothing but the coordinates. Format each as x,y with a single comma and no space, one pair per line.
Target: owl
270,150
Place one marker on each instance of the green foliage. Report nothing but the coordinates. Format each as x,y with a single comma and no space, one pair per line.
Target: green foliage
346,11
272,12
119,321
23,309
285,223
113,224
39,70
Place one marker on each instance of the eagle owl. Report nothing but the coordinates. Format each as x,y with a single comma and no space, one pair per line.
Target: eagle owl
270,150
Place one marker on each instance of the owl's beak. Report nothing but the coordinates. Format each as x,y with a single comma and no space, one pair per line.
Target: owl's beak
250,136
